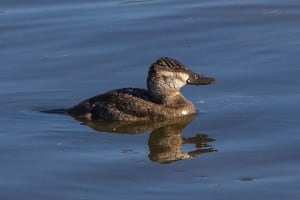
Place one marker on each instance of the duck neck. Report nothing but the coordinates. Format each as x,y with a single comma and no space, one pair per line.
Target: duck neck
172,99
165,91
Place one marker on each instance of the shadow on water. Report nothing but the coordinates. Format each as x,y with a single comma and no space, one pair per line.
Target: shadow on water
165,141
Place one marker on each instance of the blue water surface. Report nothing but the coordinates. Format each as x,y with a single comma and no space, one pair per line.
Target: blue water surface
55,54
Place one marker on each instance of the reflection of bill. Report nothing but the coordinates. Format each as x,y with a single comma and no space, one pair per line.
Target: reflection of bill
165,140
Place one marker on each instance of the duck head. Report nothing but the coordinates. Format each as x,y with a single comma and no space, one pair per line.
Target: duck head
166,76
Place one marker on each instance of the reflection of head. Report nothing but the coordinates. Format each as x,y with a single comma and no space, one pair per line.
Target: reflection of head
165,145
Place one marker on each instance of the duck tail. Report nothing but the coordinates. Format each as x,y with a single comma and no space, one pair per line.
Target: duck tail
55,111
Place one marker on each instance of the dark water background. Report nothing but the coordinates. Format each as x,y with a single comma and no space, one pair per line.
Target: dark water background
52,55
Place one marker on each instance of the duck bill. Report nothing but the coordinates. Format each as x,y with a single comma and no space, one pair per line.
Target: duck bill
197,79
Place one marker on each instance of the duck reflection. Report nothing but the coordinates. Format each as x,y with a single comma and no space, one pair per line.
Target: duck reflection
166,145
165,142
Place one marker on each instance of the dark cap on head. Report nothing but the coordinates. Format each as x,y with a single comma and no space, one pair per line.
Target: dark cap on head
169,64
174,65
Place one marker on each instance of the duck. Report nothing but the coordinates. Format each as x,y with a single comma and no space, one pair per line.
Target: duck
160,101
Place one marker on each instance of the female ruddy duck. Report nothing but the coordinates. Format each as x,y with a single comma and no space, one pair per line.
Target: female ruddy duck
162,100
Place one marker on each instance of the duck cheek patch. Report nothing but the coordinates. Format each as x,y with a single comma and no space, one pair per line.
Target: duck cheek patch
181,79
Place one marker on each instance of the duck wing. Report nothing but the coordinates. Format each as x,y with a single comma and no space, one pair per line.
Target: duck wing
126,104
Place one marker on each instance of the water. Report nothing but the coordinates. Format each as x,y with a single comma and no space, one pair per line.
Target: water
54,55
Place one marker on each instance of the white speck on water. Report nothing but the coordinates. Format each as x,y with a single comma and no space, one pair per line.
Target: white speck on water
201,101
272,12
59,144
